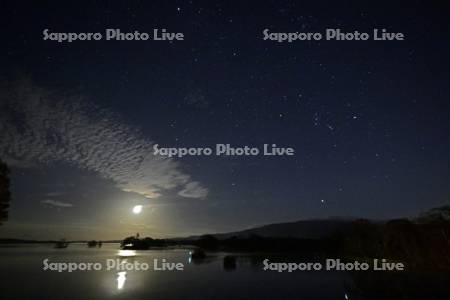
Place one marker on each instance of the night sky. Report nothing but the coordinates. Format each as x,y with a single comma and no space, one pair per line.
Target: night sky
369,120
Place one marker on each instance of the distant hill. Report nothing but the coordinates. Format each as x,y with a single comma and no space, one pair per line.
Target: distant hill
23,241
310,229
435,214
319,228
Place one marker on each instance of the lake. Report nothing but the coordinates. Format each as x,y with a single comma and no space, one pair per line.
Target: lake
22,277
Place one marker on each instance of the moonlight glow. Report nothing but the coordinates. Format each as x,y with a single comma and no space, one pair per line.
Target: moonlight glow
137,209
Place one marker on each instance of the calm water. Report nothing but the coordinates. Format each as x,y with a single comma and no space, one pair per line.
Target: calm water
22,277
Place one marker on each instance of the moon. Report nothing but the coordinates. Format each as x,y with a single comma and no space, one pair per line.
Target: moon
137,209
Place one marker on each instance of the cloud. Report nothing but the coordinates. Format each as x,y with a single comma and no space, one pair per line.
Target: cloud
57,203
54,194
193,190
42,127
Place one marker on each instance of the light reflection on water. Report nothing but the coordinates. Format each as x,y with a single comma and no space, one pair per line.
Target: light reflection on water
121,278
205,279
126,253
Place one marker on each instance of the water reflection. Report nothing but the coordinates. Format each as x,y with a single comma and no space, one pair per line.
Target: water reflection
126,253
229,263
121,278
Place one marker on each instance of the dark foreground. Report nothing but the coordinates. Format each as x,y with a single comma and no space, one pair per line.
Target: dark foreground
218,276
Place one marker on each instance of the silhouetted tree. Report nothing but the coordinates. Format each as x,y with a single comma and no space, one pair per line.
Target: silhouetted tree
364,239
135,243
5,195
402,241
129,241
92,244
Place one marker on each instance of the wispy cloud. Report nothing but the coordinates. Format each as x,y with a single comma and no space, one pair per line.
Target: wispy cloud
42,127
57,203
54,194
193,190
